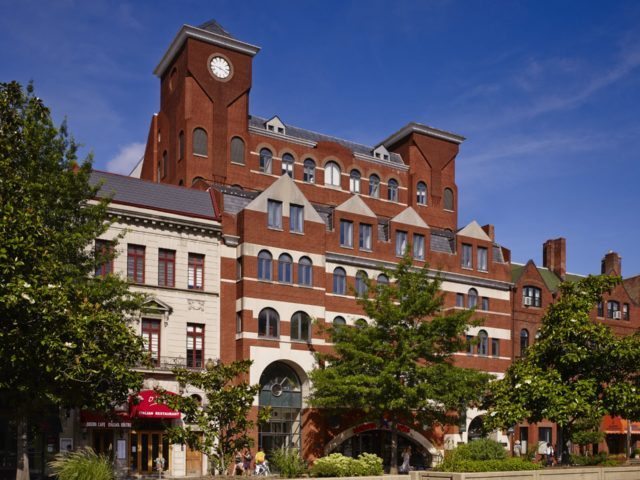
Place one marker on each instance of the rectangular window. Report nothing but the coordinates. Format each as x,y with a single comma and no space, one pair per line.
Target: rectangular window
166,268
195,345
135,263
151,339
544,434
239,322
460,300
600,309
482,259
485,303
625,311
274,212
401,243
365,236
196,272
104,258
470,344
612,309
296,218
467,260
495,347
346,233
418,246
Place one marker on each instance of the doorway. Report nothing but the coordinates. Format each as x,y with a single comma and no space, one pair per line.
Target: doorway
146,446
194,462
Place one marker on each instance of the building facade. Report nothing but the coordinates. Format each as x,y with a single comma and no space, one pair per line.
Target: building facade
305,219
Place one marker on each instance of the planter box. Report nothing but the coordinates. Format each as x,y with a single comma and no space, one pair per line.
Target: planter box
570,473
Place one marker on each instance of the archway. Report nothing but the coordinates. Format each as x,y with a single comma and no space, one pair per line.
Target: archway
477,429
373,437
281,390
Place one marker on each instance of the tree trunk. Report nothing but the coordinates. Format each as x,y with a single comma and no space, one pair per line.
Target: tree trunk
22,457
393,468
563,437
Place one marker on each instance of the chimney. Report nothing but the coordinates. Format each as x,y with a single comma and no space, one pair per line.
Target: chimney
612,264
490,231
554,256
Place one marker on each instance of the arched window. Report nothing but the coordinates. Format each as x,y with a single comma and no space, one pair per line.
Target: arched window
339,321
165,164
448,199
392,190
354,181
361,283
339,281
309,171
280,390
237,150
268,323
472,298
305,272
265,160
332,174
360,323
287,164
374,186
383,279
181,145
524,341
301,327
264,265
285,266
200,142
483,343
421,193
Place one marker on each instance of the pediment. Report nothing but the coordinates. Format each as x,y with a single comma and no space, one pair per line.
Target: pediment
355,205
410,217
474,230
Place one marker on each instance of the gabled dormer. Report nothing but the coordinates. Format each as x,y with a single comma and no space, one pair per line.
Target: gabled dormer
381,153
275,125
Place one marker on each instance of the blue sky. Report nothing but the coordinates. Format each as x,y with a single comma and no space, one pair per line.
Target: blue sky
546,92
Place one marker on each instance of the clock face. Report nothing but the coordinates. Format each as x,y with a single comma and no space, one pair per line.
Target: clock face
220,67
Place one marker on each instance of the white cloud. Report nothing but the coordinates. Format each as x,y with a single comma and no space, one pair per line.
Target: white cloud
126,159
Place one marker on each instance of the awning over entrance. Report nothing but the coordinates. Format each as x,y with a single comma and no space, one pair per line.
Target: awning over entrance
145,405
618,425
101,420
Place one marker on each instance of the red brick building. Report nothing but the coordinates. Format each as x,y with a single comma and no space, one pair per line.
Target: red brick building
306,216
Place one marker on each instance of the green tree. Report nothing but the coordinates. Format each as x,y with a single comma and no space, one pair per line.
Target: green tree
64,341
217,427
576,372
400,367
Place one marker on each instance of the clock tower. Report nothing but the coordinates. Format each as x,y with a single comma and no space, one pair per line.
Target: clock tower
205,78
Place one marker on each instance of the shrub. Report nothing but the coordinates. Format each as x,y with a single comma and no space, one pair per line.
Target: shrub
504,465
288,463
337,465
82,464
601,459
483,449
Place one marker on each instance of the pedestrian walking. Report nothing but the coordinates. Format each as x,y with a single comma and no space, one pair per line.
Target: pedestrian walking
247,457
549,453
406,460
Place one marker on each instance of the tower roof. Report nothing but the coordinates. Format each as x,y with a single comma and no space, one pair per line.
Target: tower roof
214,27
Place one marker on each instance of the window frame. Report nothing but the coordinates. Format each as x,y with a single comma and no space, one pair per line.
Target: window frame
393,188
448,200
482,254
265,266
136,260
287,164
299,322
268,327
354,181
332,174
401,242
418,246
274,214
166,262
339,281
296,218
309,171
524,341
612,307
421,193
346,233
374,186
266,160
200,142
195,333
148,328
535,293
365,236
195,266
305,272
361,287
285,268
236,150
466,256
472,298
483,343
104,248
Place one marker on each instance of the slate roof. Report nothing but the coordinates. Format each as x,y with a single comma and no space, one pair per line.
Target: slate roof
442,241
551,280
303,134
214,27
158,196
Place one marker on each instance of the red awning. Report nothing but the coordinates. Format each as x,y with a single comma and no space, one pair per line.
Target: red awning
145,405
101,420
618,425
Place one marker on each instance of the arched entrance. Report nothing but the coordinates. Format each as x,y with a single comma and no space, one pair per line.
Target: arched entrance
372,437
476,429
281,390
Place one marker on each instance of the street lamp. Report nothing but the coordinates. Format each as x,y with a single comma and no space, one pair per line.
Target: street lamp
510,431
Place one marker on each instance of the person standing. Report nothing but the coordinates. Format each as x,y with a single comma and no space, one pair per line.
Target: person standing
549,454
406,460
517,449
247,457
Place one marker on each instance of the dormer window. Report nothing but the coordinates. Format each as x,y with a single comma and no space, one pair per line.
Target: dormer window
382,153
276,125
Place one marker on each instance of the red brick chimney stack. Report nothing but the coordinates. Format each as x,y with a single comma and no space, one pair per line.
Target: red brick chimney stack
554,256
490,231
612,264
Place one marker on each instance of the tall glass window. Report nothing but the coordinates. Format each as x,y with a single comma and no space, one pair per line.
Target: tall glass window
392,190
361,283
287,164
285,267
421,193
305,272
274,214
301,327
365,236
354,181
482,259
401,243
309,171
374,186
268,323
296,218
418,246
266,159
264,265
339,281
467,259
332,174
346,233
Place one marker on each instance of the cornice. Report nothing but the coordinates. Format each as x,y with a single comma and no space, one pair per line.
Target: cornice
424,130
187,31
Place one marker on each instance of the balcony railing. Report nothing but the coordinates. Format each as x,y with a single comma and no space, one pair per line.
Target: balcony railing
168,363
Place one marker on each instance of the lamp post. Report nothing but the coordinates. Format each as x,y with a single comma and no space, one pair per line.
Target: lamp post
511,431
